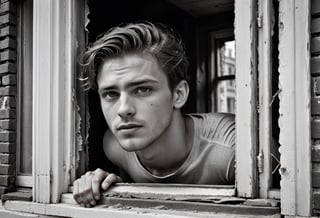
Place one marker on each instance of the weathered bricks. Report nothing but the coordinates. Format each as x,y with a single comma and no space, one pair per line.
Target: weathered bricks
5,180
8,91
8,55
316,201
316,179
315,66
315,25
316,153
7,19
8,31
315,129
316,86
9,80
8,124
7,102
7,158
8,43
7,113
7,147
7,136
7,68
7,169
315,45
7,6
315,105
315,7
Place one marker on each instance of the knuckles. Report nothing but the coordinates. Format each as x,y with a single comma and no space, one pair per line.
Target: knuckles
83,193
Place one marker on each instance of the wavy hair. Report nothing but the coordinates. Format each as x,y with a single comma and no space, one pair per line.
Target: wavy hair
157,40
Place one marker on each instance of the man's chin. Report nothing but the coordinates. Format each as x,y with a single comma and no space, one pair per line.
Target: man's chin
132,147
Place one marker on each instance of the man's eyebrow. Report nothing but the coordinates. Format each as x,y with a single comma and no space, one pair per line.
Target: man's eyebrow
130,84
141,82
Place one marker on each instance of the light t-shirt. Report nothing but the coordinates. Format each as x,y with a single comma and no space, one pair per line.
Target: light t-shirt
210,161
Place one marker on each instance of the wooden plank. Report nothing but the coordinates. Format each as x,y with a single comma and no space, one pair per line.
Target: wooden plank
53,68
265,97
173,189
196,206
119,211
41,104
225,206
246,95
169,191
294,121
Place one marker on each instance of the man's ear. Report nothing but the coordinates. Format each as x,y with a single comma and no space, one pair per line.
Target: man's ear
180,94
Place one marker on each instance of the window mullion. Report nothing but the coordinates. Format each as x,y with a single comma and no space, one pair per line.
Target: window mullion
246,97
265,96
52,99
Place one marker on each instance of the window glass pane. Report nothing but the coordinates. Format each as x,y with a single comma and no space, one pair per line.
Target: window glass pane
224,86
25,90
226,58
226,95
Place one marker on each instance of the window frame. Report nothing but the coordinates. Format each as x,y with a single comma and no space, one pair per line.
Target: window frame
265,96
24,53
295,100
246,98
54,69
53,140
54,61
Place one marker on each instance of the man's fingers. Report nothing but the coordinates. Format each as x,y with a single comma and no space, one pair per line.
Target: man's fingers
99,176
81,197
87,196
86,190
110,179
76,194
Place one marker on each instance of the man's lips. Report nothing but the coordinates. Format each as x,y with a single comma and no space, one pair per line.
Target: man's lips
128,126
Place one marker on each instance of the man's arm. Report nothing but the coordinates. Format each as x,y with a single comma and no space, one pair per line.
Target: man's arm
86,189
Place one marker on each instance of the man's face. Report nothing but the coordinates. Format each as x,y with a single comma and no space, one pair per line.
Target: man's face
136,100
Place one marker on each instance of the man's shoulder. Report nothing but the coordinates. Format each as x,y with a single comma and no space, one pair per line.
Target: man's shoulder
209,118
216,127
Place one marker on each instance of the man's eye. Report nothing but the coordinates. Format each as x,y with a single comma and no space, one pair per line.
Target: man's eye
110,95
143,90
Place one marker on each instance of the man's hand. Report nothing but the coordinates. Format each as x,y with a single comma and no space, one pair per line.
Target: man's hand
86,190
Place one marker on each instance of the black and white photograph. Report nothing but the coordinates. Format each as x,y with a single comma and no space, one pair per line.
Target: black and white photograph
159,108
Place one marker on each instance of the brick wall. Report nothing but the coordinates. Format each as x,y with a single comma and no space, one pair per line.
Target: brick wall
8,82
315,102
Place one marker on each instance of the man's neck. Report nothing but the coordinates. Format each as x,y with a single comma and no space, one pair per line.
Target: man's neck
168,153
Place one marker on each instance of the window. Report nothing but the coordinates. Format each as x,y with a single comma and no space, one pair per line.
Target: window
188,27
222,71
54,142
25,76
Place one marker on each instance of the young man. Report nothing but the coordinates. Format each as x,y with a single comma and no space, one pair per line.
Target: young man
139,71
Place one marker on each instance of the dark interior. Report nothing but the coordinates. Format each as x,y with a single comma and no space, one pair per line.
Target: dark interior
194,33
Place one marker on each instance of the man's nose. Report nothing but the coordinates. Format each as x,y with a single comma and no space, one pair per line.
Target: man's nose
126,106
